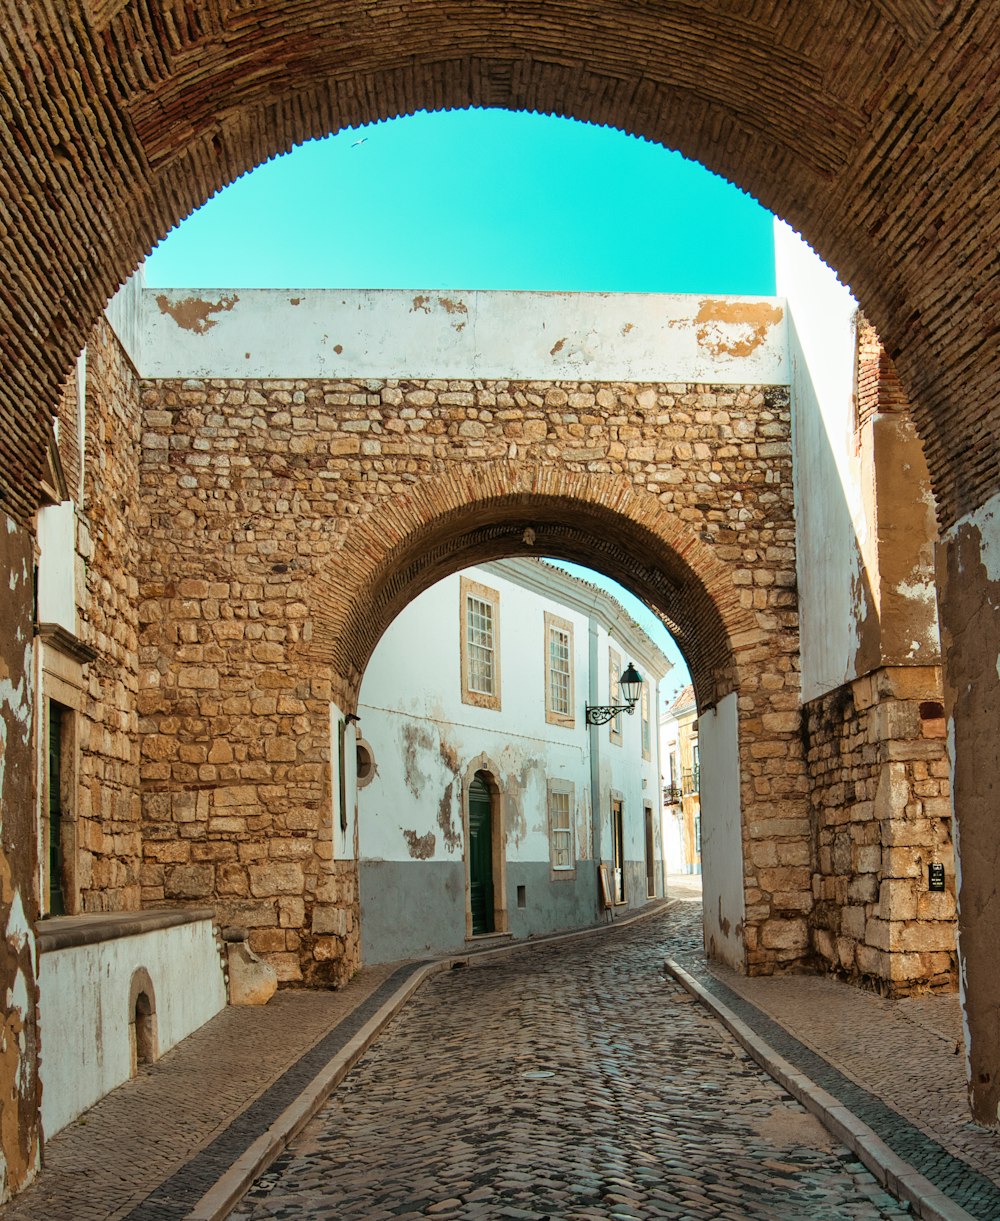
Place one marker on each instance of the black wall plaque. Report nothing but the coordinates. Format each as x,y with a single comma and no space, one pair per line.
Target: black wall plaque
935,876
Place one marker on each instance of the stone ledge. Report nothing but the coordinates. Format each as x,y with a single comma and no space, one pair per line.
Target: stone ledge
64,932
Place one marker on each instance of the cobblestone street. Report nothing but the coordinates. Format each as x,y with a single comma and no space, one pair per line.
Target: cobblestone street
569,1081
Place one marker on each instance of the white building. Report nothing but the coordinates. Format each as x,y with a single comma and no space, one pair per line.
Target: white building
486,802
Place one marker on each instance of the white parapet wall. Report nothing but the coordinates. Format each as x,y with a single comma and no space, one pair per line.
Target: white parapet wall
90,969
391,333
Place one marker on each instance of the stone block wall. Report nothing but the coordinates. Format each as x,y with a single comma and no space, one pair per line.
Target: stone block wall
108,838
250,489
881,813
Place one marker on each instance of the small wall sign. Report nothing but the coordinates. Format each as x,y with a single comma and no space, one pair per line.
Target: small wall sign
935,876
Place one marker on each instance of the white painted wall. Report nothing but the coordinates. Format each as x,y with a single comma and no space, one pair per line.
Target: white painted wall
673,826
84,1009
125,314
830,518
426,743
344,838
621,767
721,832
57,565
413,717
394,333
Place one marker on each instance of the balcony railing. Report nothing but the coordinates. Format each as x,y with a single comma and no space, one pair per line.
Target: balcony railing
671,795
691,781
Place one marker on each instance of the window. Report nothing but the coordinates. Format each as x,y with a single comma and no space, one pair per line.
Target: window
562,849
644,710
614,674
558,671
480,645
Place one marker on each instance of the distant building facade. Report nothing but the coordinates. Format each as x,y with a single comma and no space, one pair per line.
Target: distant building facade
681,758
486,802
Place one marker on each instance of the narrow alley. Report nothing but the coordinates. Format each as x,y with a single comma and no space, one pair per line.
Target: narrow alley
575,1080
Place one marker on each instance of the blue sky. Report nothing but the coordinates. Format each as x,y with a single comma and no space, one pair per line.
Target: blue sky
476,199
480,199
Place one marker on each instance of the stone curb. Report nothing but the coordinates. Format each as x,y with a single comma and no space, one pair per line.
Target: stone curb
223,1196
895,1174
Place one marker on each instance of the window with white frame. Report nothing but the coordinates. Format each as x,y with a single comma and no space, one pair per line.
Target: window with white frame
558,671
562,847
480,608
614,674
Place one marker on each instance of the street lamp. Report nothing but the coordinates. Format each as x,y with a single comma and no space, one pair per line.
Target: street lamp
630,684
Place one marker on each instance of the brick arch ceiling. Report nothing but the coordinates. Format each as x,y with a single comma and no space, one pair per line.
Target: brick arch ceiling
470,516
872,127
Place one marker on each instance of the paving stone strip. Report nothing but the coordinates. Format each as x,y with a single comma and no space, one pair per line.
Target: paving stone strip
978,1195
175,1197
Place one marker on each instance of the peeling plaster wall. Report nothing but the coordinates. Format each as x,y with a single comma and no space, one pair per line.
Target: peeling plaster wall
19,1089
722,836
265,333
425,741
829,504
969,598
89,1056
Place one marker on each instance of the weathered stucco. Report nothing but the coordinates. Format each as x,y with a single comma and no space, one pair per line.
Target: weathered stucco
357,333
969,596
19,1085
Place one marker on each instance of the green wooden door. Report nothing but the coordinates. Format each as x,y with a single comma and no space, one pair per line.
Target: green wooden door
57,905
480,856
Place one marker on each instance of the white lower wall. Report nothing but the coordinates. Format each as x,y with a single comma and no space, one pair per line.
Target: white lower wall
721,833
84,1009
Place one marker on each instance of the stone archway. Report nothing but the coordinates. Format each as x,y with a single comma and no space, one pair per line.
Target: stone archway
121,119
735,641
468,514
318,552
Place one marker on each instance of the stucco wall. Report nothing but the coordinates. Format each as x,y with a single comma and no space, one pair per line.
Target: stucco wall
722,835
266,333
19,1154
969,595
830,523
426,743
84,1009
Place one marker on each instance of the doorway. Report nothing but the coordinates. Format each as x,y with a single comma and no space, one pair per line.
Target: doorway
617,851
650,861
481,898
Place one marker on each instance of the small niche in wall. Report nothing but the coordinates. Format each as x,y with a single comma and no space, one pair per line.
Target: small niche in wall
142,1021
365,763
522,896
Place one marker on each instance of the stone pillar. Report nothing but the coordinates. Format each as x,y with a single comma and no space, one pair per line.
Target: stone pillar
969,594
19,1085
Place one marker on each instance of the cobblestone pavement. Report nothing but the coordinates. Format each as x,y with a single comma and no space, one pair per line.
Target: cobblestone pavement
573,1081
908,1052
896,1065
106,1164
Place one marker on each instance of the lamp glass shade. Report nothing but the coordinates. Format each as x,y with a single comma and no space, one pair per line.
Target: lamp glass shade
630,684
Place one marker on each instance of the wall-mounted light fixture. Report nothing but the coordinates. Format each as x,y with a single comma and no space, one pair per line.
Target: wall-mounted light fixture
630,684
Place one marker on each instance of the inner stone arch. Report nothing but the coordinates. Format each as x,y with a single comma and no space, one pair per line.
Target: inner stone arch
599,522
